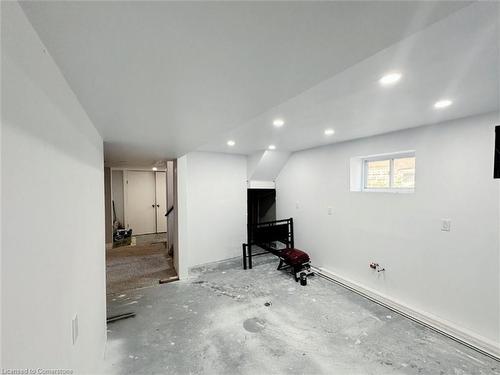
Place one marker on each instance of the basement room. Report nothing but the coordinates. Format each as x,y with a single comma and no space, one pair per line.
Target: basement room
250,187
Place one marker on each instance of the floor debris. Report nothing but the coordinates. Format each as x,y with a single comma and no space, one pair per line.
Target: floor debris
341,333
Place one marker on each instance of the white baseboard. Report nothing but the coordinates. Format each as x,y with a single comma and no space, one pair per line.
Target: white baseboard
467,338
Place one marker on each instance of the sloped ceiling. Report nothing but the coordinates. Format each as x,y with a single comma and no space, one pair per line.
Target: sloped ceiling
159,79
456,59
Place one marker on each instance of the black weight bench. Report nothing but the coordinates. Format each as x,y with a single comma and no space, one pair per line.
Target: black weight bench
276,237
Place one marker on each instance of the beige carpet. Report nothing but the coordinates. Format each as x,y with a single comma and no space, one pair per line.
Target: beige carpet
132,267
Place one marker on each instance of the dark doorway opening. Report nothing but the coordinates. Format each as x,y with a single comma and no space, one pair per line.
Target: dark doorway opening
261,205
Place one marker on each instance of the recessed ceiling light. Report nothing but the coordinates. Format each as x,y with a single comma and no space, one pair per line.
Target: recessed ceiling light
154,169
390,79
272,147
279,122
231,143
443,103
329,132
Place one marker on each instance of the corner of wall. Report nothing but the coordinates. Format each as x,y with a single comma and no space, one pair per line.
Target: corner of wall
265,166
182,223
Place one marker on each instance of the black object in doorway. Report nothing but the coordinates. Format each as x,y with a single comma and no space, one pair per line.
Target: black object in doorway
261,205
496,168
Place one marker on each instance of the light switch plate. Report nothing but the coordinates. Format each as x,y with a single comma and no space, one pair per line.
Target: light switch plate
445,225
330,210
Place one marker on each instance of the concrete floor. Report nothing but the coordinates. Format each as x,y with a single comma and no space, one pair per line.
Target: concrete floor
225,320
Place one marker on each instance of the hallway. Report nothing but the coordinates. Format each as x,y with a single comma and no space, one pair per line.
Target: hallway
143,265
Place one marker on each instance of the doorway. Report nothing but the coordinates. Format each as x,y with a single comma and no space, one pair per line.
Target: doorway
140,255
261,205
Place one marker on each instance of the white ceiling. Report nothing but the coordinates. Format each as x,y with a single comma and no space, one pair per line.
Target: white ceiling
456,58
160,79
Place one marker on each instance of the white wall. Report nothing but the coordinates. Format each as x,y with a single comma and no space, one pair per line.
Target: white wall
182,241
453,276
212,207
52,211
264,166
269,166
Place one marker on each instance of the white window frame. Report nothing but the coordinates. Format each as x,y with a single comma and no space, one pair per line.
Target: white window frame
390,157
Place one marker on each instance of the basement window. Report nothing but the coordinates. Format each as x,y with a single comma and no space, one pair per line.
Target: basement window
393,173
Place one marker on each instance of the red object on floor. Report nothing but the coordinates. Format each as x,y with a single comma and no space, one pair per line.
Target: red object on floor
294,257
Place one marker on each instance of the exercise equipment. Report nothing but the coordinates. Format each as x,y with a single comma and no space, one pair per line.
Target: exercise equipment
276,237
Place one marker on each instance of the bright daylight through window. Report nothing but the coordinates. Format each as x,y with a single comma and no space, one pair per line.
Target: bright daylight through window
389,173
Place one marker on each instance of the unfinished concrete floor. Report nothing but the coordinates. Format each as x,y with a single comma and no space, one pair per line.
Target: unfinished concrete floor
225,320
143,265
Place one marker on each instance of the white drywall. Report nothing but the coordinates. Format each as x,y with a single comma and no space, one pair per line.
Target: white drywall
452,276
181,251
270,165
263,167
253,161
52,212
212,207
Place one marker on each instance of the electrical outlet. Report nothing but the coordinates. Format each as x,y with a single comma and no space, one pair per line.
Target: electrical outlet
330,210
297,205
445,225
74,328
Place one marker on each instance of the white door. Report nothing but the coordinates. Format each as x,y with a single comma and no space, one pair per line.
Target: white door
161,202
140,209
